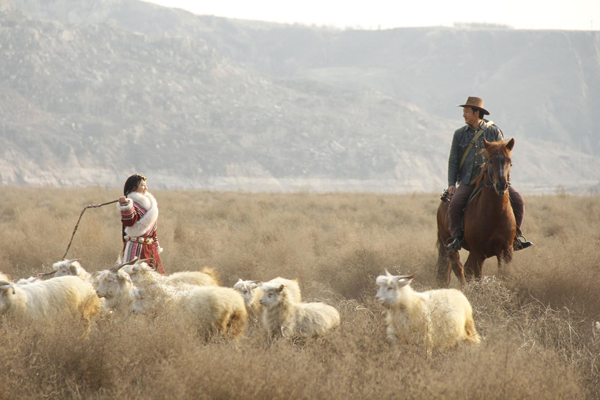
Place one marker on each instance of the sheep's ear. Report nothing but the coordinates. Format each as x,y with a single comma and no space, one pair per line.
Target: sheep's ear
280,288
255,284
239,280
73,269
403,278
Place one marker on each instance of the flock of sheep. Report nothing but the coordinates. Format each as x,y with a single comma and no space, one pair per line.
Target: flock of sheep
434,319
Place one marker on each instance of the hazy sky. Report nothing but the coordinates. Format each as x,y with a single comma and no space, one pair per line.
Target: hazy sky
521,14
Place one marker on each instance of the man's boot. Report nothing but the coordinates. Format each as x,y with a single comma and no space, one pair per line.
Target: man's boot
455,242
520,242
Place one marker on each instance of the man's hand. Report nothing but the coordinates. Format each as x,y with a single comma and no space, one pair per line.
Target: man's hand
122,200
451,190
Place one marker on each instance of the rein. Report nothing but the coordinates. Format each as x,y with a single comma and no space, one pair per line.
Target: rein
486,181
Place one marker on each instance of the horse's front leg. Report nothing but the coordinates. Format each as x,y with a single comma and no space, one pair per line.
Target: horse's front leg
503,260
474,267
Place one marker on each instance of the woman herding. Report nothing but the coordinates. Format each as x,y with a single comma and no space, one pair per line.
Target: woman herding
139,215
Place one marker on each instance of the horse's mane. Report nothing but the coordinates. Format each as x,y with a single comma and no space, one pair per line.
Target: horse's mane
494,148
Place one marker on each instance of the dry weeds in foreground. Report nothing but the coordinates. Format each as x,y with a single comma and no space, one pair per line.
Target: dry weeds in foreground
537,326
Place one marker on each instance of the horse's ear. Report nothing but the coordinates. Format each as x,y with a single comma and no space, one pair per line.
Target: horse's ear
510,144
485,143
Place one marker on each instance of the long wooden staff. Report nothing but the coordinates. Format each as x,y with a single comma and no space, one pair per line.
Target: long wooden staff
77,225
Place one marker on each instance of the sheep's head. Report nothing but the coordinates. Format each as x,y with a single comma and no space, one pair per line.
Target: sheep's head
67,267
7,289
273,294
113,285
139,271
391,288
248,290
27,281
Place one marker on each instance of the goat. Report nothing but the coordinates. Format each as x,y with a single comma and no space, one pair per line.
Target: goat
45,301
252,292
283,317
439,318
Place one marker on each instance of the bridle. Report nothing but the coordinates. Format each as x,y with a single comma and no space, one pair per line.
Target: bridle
488,180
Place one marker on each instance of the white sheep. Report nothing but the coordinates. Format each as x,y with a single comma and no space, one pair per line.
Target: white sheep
252,292
142,274
283,317
70,267
45,301
26,281
117,292
437,318
208,308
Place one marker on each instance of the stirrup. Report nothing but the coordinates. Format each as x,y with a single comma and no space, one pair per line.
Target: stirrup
521,243
455,244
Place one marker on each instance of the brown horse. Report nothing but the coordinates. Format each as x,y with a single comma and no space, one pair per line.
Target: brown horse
489,221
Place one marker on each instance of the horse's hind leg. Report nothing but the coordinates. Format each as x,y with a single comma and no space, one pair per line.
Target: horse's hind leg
448,261
457,266
443,265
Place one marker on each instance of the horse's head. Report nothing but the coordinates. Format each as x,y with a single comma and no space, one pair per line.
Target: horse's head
499,163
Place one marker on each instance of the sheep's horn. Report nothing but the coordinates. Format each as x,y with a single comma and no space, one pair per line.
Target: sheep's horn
43,274
118,267
143,260
73,260
7,285
387,273
408,276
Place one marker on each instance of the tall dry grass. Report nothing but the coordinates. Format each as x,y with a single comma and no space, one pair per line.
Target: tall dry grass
536,325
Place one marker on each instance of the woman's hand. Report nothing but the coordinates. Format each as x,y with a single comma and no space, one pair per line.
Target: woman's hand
122,200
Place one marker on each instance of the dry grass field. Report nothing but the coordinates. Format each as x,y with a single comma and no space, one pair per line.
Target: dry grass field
537,325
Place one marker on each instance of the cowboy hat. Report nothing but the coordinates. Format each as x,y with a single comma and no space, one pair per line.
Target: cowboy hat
476,103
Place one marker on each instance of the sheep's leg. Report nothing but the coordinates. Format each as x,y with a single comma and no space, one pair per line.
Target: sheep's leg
237,323
222,323
471,331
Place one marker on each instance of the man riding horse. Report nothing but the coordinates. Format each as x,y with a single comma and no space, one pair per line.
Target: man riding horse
464,165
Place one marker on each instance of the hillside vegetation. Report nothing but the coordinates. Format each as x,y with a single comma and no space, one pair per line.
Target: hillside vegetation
91,88
537,326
